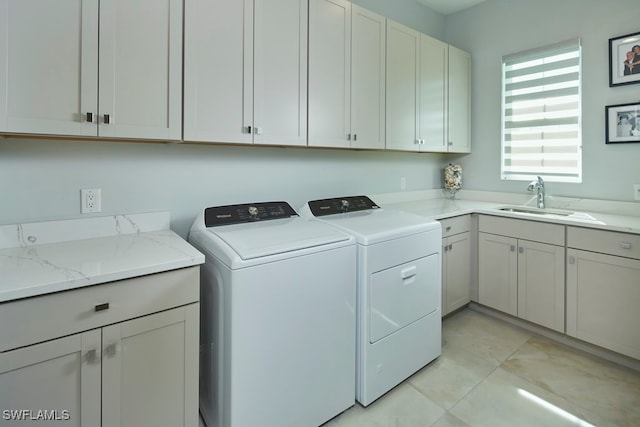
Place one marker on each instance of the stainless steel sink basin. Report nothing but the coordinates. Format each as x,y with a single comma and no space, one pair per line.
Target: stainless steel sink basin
535,211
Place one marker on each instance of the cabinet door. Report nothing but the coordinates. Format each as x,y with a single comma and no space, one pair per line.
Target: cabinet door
280,72
459,101
217,34
541,284
329,73
498,272
603,295
368,47
150,370
48,66
457,272
61,377
403,45
432,93
141,69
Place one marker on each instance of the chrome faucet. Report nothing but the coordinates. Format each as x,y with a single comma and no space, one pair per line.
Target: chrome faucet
538,186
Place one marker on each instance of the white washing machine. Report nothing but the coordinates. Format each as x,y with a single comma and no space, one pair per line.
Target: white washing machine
277,317
399,323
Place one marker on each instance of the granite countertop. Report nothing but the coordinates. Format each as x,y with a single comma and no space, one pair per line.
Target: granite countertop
45,257
600,214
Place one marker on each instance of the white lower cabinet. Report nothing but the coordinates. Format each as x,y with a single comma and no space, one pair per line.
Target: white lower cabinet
149,370
456,263
127,371
61,376
521,269
497,272
603,289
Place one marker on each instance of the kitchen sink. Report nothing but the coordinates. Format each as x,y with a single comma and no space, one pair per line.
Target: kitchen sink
535,211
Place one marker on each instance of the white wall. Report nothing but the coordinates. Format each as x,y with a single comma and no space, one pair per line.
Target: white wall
499,27
41,179
410,13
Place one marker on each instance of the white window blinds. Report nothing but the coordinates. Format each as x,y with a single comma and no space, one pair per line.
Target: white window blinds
541,114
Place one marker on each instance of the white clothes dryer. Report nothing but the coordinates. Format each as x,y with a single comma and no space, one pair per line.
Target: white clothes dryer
277,317
399,290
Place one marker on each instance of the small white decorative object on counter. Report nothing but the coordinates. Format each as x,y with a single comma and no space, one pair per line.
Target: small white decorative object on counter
453,179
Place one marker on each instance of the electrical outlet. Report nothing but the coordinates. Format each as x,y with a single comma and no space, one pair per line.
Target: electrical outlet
90,200
403,183
636,192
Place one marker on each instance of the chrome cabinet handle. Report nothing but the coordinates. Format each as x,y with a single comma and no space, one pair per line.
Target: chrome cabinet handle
625,245
520,250
107,119
90,117
512,248
90,355
572,260
448,228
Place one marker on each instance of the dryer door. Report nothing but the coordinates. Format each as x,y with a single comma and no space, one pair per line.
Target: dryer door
403,294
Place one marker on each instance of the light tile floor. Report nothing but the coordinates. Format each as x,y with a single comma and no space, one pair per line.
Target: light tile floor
494,374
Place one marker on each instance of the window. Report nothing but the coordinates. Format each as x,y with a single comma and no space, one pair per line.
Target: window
541,132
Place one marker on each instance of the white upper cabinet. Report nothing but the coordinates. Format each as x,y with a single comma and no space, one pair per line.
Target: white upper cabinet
368,85
427,93
432,94
329,73
140,86
246,71
346,76
459,101
403,66
48,66
51,54
214,80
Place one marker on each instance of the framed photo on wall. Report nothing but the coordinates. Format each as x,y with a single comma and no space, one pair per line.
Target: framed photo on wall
624,60
623,123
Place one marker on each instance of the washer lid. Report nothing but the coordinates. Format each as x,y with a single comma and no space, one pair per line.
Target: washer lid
261,239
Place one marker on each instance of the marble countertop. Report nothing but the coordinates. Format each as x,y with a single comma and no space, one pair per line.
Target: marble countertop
45,257
600,214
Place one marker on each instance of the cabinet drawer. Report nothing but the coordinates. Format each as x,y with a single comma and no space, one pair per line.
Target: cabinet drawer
606,242
46,317
455,225
521,229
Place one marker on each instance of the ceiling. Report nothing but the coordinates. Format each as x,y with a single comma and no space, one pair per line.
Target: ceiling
447,7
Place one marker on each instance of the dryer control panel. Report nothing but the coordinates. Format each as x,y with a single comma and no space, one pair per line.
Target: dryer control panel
247,212
341,205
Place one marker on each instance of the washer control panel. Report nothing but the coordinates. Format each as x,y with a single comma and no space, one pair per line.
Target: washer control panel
341,205
247,212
